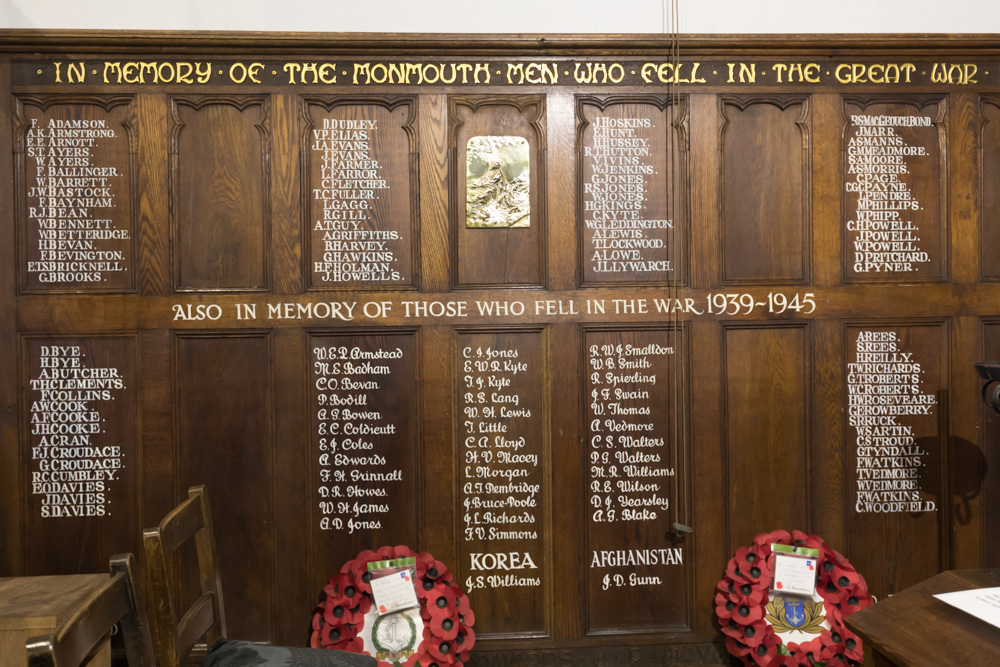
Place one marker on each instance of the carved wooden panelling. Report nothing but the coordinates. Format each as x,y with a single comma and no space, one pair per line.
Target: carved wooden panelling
502,465
220,207
989,249
764,189
360,181
895,189
638,575
507,248
767,403
578,317
897,504
364,451
633,194
76,178
81,463
225,440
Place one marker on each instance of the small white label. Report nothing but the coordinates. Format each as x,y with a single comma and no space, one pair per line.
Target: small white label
394,592
794,574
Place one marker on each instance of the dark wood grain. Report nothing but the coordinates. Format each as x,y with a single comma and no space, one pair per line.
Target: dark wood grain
754,400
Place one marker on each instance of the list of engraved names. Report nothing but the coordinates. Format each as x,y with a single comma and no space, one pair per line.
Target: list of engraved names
620,176
500,436
75,461
71,201
884,235
358,475
351,181
883,395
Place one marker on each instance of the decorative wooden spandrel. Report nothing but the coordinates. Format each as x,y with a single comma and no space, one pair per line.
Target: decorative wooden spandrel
637,578
75,185
502,470
81,464
364,455
895,190
896,378
632,166
359,166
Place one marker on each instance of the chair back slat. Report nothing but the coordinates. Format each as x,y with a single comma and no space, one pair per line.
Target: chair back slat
83,633
176,632
196,621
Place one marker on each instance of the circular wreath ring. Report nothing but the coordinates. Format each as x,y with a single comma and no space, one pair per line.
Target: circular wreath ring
444,609
741,606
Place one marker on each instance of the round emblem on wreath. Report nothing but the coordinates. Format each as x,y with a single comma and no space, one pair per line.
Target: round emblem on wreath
394,636
768,629
438,631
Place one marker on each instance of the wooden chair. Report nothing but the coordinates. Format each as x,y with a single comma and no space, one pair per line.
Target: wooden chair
173,639
76,641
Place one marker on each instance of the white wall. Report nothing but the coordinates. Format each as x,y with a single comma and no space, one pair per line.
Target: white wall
511,16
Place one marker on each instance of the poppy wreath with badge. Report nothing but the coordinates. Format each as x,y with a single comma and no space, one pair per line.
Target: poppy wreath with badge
444,609
753,623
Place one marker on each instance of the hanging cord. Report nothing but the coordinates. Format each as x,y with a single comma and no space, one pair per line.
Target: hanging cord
675,151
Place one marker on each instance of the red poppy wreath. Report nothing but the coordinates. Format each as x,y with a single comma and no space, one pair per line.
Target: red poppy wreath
437,633
768,631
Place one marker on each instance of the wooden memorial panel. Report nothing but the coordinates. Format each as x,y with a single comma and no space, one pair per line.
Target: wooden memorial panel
767,403
364,453
895,189
989,214
81,463
632,189
896,376
502,463
639,579
225,439
295,203
360,181
219,195
765,186
75,186
497,193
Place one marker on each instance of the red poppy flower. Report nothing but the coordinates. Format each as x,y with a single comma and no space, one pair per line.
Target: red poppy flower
341,591
852,646
812,648
784,661
724,607
764,652
765,540
337,634
441,651
756,632
756,597
736,647
470,638
339,614
445,627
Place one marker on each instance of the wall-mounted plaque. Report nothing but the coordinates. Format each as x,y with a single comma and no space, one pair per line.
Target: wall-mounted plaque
497,183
